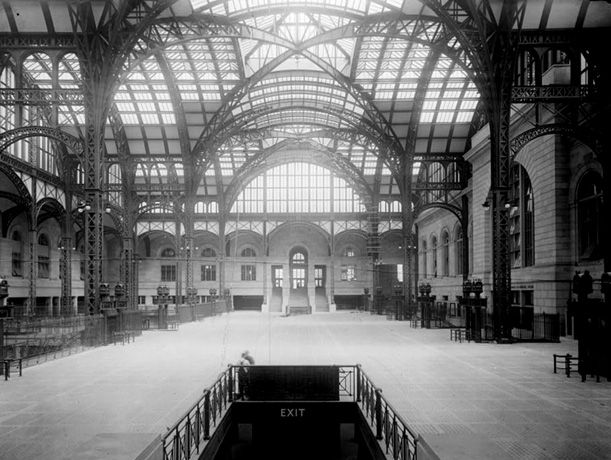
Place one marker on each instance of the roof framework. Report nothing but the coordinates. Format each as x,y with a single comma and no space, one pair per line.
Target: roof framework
205,87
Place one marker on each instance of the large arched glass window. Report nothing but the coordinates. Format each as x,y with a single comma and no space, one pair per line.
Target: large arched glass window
445,253
589,219
458,250
298,188
521,219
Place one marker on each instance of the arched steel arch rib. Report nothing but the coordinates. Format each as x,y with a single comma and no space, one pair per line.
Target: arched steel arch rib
200,25
23,199
181,124
128,170
457,211
317,154
57,211
360,135
72,142
238,124
588,137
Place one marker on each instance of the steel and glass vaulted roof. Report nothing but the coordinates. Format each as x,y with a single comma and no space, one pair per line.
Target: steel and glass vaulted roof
212,87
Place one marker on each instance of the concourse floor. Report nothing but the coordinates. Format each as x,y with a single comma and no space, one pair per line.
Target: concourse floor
468,401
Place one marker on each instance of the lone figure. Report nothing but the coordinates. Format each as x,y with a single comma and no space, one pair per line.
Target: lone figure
243,377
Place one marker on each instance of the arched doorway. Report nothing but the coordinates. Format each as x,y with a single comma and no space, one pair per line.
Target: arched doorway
298,273
299,268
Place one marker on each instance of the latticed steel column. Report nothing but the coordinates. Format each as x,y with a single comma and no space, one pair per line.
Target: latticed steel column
189,246
66,275
32,272
464,224
497,58
127,268
222,254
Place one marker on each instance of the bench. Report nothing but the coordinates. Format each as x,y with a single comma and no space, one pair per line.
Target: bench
16,364
458,334
567,363
124,336
173,325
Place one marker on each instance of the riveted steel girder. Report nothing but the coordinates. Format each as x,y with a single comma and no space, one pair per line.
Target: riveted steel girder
39,96
549,93
588,137
11,136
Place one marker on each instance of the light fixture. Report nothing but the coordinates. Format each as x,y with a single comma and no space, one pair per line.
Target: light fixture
108,209
83,206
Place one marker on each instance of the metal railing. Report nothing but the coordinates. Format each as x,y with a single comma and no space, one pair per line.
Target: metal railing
190,434
399,440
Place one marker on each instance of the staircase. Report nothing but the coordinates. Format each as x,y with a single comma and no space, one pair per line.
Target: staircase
275,304
298,302
322,303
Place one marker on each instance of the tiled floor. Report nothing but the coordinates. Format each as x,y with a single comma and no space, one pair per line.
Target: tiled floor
469,401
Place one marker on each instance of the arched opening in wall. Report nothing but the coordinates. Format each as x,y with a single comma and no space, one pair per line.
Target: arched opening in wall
423,256
458,250
589,218
17,255
445,253
434,265
43,256
521,219
299,268
298,279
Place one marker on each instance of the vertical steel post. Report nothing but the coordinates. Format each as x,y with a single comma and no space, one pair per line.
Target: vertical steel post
378,413
207,414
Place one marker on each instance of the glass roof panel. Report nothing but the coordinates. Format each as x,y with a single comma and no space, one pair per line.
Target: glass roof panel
246,7
144,98
38,71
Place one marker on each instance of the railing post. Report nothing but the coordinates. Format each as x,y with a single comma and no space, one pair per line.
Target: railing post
555,355
176,449
358,383
230,383
206,414
378,412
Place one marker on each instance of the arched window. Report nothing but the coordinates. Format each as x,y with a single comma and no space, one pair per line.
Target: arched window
168,252
348,251
17,257
208,252
521,219
43,256
424,255
248,252
458,249
445,253
589,220
434,254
